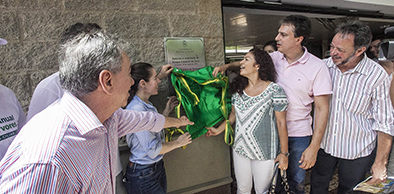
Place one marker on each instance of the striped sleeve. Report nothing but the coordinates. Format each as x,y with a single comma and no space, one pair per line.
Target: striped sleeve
36,178
130,121
382,108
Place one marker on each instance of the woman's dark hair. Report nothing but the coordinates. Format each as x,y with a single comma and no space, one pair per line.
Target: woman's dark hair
271,43
139,71
266,71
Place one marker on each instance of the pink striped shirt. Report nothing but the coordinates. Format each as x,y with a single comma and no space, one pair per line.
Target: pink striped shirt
66,149
360,106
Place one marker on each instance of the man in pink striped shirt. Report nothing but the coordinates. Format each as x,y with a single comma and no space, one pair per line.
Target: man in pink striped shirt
70,147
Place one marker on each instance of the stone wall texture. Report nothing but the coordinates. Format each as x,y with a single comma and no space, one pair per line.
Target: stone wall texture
33,28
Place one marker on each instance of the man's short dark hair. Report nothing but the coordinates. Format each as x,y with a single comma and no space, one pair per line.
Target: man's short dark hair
302,26
362,33
76,29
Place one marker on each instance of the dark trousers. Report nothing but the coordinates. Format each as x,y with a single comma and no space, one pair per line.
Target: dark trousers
146,179
350,172
295,174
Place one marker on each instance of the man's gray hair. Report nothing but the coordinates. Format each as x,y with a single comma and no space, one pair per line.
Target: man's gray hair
82,58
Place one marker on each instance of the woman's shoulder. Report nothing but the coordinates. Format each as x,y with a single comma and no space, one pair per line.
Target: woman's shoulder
136,104
276,87
235,95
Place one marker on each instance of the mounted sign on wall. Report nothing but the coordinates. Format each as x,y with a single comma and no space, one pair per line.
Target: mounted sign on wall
185,53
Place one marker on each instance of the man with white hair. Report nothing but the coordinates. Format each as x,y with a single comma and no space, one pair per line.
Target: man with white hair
71,146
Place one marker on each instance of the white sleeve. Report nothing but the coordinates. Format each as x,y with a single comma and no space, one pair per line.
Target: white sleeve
22,116
42,98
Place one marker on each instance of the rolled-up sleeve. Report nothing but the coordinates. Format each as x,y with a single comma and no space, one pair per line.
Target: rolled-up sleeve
382,109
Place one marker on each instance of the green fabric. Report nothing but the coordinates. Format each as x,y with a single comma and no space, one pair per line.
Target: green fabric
202,96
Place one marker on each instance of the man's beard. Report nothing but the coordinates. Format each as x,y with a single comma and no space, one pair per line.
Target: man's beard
347,59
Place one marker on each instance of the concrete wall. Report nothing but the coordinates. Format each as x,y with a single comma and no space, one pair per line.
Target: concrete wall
33,27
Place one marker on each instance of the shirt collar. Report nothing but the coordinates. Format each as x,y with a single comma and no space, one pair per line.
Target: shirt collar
361,67
302,60
148,106
80,114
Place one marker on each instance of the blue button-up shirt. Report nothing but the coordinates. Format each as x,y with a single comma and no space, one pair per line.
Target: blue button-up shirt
145,146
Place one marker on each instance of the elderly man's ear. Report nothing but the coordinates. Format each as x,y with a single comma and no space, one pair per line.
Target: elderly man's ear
105,81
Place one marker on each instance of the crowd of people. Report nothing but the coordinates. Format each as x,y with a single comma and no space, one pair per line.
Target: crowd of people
70,142
353,114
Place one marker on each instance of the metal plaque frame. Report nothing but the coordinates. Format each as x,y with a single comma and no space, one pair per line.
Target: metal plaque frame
186,53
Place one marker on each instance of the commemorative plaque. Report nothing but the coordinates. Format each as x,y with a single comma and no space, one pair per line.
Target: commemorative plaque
185,53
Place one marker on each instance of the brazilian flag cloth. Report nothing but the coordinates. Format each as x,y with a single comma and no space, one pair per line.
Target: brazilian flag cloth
204,98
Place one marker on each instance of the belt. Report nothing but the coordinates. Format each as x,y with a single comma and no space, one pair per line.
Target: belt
131,164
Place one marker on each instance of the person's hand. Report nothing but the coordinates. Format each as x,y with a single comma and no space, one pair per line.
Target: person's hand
283,161
165,70
183,140
183,121
171,104
212,131
379,173
221,69
308,158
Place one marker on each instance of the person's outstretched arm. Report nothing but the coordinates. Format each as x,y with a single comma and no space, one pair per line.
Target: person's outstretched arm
165,70
231,66
182,140
212,131
177,122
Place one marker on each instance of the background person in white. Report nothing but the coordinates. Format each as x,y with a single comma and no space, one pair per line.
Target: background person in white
360,118
12,117
49,89
46,92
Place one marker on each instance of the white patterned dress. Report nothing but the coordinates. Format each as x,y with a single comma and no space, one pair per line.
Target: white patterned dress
256,133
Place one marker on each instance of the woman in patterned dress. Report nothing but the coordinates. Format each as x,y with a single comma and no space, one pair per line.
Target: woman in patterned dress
259,108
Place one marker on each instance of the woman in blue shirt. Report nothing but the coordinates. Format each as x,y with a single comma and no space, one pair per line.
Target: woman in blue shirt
145,172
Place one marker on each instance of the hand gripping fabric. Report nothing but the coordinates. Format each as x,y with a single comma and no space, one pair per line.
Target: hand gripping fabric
204,98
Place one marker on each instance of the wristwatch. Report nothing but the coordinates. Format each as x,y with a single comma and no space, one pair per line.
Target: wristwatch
287,154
